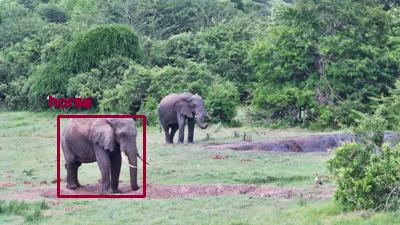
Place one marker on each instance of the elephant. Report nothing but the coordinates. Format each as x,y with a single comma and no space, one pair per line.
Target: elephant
173,111
105,140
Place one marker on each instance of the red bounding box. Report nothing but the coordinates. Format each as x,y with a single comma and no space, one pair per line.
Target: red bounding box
67,116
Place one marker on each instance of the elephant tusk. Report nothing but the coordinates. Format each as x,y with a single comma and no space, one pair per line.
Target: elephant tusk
125,160
142,159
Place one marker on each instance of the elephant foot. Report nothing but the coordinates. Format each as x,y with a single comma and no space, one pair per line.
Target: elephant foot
135,188
116,191
72,186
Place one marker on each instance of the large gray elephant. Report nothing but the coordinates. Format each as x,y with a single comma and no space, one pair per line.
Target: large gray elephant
105,140
175,109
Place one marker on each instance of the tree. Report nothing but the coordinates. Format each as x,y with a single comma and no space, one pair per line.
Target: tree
17,23
336,49
53,13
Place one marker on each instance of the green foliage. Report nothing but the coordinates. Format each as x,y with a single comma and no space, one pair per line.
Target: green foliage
89,48
367,173
339,50
19,59
30,211
53,13
173,16
149,108
222,100
130,94
366,179
15,94
388,107
174,50
99,80
223,48
17,23
289,103
338,116
194,77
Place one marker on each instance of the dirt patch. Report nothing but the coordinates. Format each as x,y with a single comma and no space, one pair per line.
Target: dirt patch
158,191
219,156
316,143
7,184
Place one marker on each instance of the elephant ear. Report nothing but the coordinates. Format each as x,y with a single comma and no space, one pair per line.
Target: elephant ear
102,133
183,108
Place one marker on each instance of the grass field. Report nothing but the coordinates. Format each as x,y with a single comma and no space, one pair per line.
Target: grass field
28,162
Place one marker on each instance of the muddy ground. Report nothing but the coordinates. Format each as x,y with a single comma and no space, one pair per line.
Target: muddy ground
158,191
315,143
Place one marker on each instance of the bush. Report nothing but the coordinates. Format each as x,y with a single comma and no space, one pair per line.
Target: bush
222,100
99,80
46,80
149,108
16,94
341,115
288,103
128,96
367,173
102,42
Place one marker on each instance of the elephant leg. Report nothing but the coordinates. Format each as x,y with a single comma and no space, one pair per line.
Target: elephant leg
191,123
103,161
72,174
174,128
115,170
166,131
181,124
78,164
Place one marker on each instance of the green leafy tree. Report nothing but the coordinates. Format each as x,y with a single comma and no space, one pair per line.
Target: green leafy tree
53,13
336,49
194,77
17,23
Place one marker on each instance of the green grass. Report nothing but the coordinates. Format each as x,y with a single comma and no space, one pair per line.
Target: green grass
28,142
31,212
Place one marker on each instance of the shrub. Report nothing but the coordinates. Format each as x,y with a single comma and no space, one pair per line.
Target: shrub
97,81
222,100
102,42
128,96
16,94
367,173
46,80
341,115
289,103
149,108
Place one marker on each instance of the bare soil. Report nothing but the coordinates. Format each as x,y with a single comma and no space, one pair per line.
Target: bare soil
315,143
159,191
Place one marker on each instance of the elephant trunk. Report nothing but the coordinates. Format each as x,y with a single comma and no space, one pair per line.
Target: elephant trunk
132,158
201,122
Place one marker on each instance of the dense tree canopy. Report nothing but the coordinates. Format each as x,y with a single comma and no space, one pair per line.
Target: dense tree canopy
304,62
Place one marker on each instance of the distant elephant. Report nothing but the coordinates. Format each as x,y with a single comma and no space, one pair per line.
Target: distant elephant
173,111
105,140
